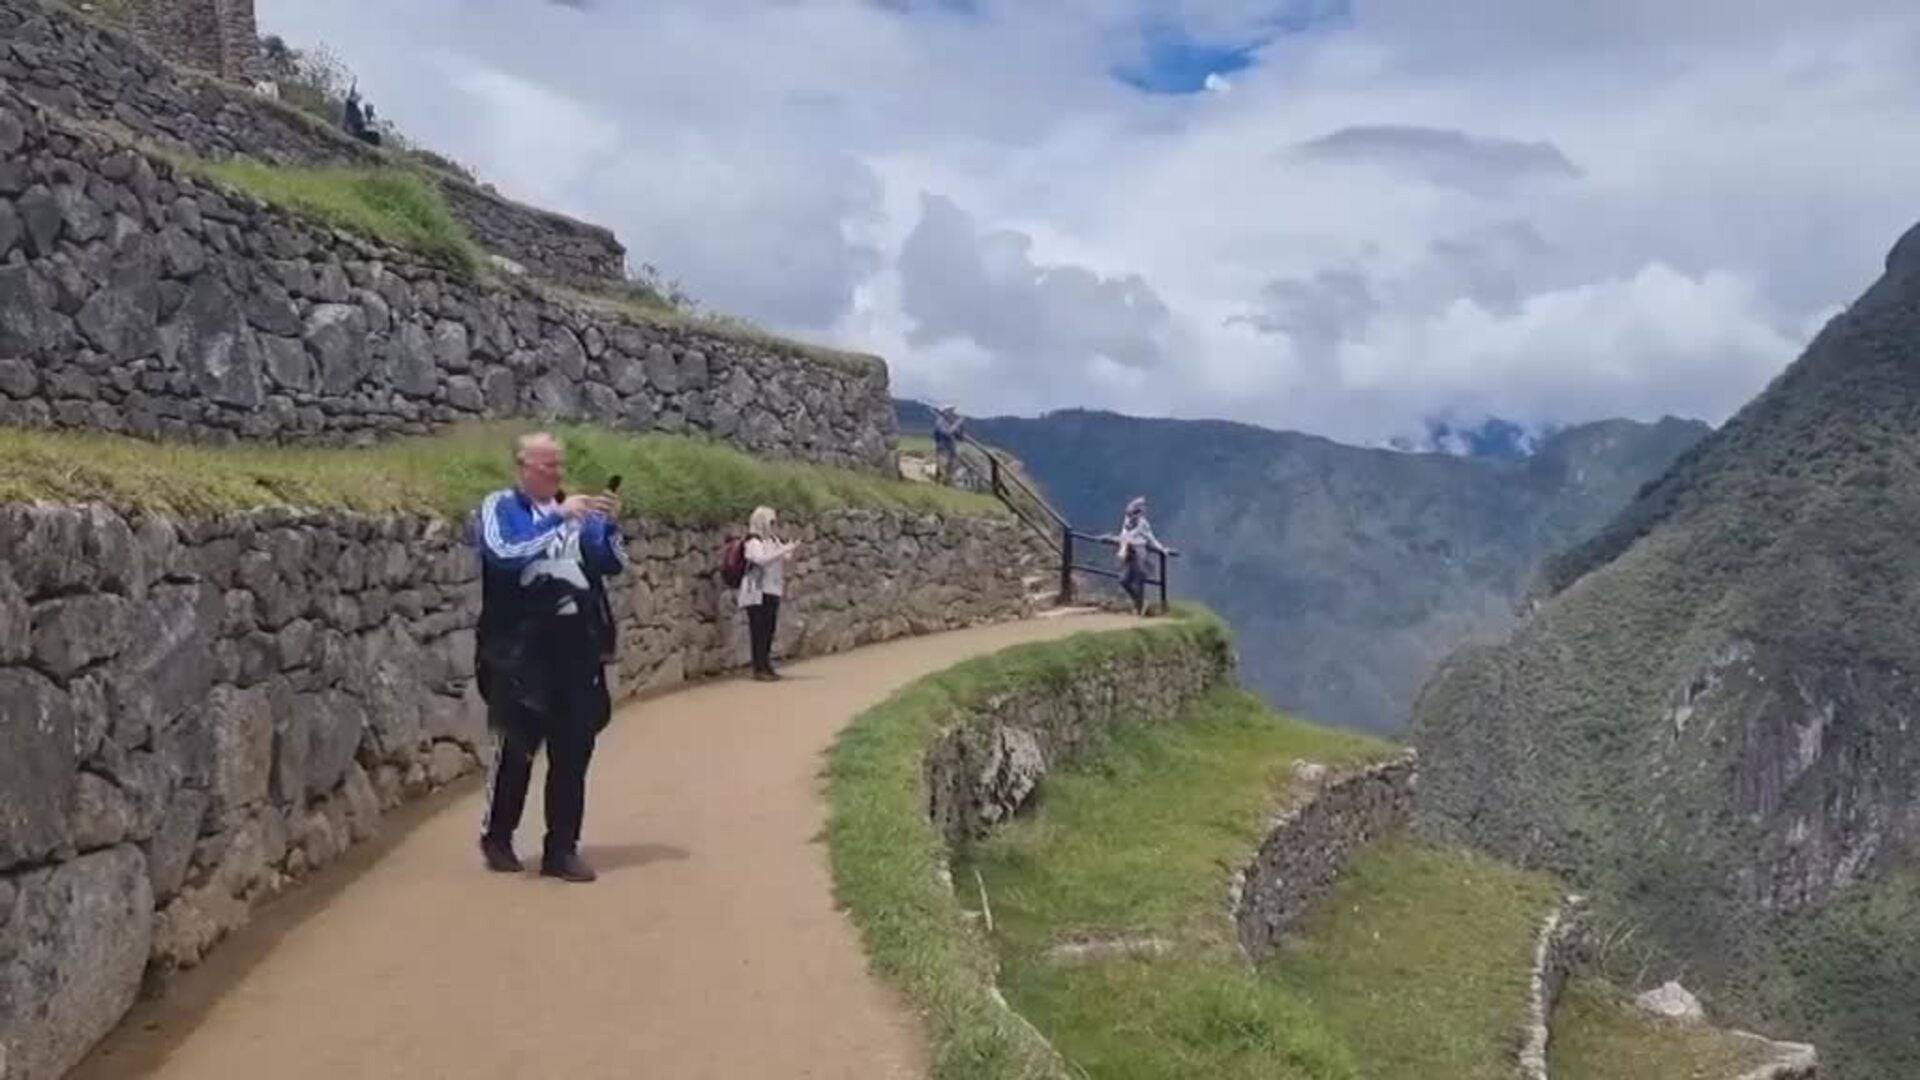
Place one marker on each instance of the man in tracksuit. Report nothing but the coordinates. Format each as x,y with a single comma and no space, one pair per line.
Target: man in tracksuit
546,634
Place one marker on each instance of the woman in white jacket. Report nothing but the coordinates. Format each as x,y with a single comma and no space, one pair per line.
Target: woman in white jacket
1136,539
761,587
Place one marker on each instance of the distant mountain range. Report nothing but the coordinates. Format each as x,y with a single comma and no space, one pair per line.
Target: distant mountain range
1346,572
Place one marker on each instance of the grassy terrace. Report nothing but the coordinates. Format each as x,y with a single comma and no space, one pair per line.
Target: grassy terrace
1599,1035
670,479
884,850
395,205
1133,846
401,205
1419,961
1416,967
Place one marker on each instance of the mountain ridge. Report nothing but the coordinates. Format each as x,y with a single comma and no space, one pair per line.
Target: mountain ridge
1707,717
1347,571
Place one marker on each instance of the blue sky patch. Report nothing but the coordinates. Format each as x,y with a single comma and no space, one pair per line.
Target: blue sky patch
1173,61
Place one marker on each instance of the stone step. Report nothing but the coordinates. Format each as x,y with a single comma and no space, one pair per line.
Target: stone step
1065,612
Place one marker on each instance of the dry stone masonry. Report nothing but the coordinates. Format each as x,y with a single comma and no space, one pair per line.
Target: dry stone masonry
986,766
1311,840
200,713
81,69
1561,946
136,298
218,36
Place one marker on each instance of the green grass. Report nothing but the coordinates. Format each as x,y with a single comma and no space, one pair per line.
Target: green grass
1135,845
668,478
392,204
1599,1035
636,301
884,851
1416,966
403,207
1420,959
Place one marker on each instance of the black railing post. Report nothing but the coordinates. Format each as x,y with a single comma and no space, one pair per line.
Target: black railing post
1066,567
993,469
1163,583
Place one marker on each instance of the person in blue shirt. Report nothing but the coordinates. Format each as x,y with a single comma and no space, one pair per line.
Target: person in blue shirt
545,637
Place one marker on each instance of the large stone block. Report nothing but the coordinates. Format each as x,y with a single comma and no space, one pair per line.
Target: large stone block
71,959
38,763
168,664
241,722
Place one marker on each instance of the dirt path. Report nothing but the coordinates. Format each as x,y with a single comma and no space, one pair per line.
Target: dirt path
709,947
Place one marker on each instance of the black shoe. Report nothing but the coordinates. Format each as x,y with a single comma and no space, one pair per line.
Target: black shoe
499,855
766,676
569,867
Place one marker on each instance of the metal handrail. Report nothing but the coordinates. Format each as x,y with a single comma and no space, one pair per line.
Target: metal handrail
1028,505
1015,493
1069,567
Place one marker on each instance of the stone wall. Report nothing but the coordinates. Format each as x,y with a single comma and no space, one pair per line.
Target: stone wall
217,36
1561,947
1327,820
986,766
134,297
199,714
79,68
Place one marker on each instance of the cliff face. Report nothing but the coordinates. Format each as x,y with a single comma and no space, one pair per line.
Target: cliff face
1710,714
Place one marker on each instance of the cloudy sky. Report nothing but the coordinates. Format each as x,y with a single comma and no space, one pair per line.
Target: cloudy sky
1338,216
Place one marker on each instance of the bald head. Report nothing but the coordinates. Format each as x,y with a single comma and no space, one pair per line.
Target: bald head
541,464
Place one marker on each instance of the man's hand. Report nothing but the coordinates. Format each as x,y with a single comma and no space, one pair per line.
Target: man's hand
578,507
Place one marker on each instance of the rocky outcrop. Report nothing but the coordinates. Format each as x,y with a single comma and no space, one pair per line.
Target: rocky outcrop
1326,819
200,713
1790,1061
989,762
100,75
1672,1001
136,298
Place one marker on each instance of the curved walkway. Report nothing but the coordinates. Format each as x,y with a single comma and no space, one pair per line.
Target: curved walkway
710,946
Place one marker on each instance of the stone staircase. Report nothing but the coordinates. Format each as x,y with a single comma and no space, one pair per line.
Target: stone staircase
1043,593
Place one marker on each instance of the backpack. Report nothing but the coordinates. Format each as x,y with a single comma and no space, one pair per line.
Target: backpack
733,561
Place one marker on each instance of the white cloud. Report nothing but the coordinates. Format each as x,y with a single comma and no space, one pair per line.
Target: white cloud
1553,211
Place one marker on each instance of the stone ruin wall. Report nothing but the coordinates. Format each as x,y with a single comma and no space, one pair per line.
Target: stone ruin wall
201,713
220,37
96,74
137,298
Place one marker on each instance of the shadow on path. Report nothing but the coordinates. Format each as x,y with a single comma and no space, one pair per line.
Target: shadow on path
612,858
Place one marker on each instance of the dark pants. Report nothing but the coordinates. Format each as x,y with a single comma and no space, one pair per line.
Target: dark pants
1133,578
568,732
761,620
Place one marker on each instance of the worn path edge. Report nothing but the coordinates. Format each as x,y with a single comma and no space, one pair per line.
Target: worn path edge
710,947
